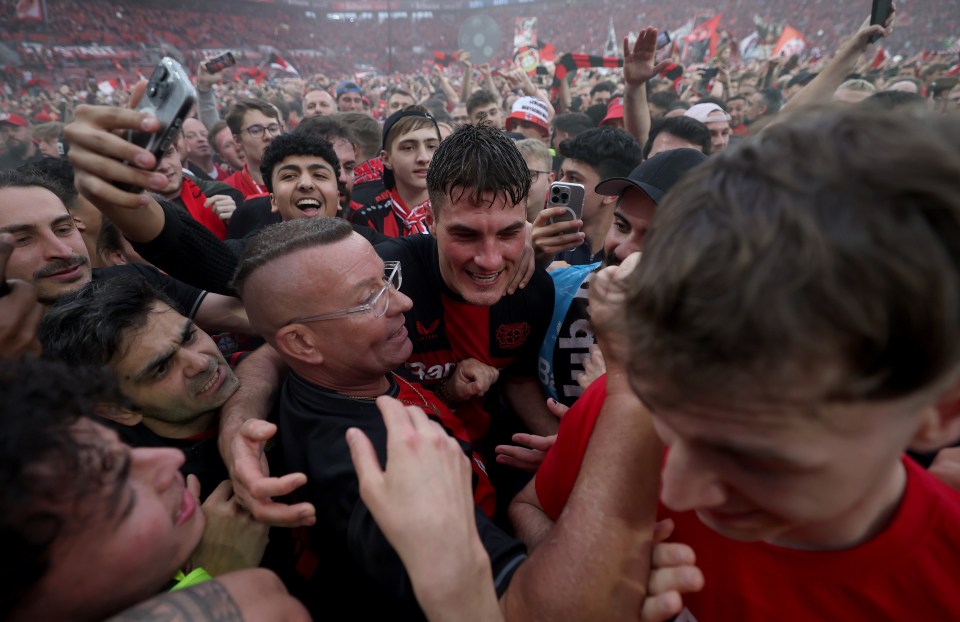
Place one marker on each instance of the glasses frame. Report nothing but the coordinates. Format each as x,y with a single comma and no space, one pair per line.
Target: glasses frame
263,129
535,174
391,269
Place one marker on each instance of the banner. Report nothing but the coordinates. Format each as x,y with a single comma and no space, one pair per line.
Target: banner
525,33
790,43
277,62
702,41
30,10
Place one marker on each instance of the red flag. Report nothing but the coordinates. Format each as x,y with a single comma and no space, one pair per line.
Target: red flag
879,58
30,10
277,62
790,43
703,39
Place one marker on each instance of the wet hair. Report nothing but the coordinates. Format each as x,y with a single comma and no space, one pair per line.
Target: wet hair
610,151
687,128
284,238
243,106
473,161
825,249
295,144
47,470
88,327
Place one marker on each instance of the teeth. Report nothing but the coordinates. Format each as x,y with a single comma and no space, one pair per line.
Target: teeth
484,279
308,203
209,383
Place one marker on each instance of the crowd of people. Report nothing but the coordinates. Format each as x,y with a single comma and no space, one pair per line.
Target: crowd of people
644,342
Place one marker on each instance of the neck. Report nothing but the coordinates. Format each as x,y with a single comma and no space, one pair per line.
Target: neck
255,172
412,197
597,227
354,387
181,429
205,164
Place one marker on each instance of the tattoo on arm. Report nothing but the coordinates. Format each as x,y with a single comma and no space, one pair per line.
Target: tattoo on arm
207,602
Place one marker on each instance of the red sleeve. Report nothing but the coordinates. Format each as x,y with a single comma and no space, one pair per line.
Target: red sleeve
558,473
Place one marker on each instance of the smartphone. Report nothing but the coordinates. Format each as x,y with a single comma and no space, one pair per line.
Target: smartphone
169,97
219,63
570,196
663,40
879,14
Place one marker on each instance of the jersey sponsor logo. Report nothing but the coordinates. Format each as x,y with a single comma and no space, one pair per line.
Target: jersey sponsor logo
430,372
427,330
512,336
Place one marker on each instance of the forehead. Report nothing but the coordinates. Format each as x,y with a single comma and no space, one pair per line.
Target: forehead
318,96
492,214
349,96
33,206
635,205
578,167
302,162
418,135
192,125
665,141
162,327
255,117
344,150
397,96
719,124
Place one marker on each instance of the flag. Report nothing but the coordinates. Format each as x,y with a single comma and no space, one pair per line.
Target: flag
879,58
790,43
277,62
571,62
703,39
445,59
250,73
30,10
612,48
109,86
525,32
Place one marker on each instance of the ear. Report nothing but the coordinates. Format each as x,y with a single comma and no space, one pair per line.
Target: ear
385,158
941,423
239,144
431,221
299,343
608,200
121,416
273,205
552,177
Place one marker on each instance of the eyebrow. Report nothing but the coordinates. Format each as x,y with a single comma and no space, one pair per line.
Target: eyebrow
119,486
751,453
512,228
162,358
25,228
310,167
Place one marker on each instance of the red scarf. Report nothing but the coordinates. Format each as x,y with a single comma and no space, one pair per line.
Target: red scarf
414,219
194,199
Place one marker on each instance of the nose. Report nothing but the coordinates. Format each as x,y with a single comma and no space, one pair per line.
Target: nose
194,363
633,244
160,465
488,256
400,303
423,154
55,247
306,182
688,483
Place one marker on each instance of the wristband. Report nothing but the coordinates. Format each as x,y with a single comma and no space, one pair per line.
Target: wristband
196,576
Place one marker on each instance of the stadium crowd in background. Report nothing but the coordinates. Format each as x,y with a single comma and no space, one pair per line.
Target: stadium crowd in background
596,328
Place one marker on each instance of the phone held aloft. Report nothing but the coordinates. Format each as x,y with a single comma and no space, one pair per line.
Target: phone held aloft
220,62
566,195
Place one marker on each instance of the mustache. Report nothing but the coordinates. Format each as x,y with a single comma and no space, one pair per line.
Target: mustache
60,265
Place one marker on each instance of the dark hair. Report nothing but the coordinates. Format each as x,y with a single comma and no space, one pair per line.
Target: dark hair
30,176
401,92
687,128
596,112
295,144
573,123
610,151
733,98
366,129
605,85
662,99
109,240
58,173
284,238
87,327
406,124
477,159
327,128
828,245
772,99
243,106
480,98
46,469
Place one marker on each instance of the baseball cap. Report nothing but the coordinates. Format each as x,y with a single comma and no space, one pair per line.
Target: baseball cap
655,176
348,87
700,112
13,119
614,110
388,180
529,109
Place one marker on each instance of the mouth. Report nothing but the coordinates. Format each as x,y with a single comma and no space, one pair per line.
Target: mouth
484,279
211,385
309,206
399,334
67,274
188,507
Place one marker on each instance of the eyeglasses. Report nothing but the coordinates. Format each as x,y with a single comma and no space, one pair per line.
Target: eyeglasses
535,175
378,306
257,131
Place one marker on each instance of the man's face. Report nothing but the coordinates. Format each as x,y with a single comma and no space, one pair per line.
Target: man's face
48,147
529,129
350,102
397,102
251,146
352,274
665,141
16,138
577,172
196,139
227,148
542,177
171,167
318,104
600,97
142,526
490,113
479,245
409,158
48,249
347,154
631,220
459,114
719,135
785,474
172,371
737,109
303,187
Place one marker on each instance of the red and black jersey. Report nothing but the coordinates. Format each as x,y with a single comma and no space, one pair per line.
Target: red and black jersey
445,329
242,181
384,211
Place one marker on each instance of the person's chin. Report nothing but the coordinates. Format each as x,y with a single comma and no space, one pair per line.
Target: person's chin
748,526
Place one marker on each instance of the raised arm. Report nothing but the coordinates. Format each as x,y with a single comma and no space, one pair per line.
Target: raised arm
639,67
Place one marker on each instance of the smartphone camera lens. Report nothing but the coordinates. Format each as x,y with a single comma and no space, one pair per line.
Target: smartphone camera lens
565,197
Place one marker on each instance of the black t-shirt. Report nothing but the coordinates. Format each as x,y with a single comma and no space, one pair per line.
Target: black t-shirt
254,214
351,567
187,298
445,329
